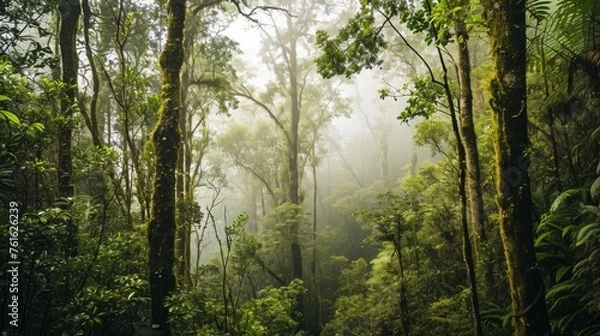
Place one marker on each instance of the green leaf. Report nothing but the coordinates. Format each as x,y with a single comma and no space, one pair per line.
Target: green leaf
595,189
563,198
587,233
542,237
11,117
560,273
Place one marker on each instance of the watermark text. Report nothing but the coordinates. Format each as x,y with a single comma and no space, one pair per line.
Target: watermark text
14,262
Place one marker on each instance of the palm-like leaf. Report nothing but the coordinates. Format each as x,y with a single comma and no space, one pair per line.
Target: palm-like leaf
573,28
569,249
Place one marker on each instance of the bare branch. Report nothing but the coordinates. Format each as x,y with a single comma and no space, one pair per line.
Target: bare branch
246,94
205,4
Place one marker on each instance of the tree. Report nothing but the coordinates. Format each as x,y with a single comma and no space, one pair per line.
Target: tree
467,129
507,33
166,139
68,54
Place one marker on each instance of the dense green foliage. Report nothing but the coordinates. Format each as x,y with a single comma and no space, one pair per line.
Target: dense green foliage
379,233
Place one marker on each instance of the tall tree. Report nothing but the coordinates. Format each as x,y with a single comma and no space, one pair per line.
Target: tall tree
507,33
166,139
69,20
467,130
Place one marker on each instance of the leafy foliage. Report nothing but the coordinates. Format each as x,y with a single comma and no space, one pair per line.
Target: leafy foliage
17,43
569,245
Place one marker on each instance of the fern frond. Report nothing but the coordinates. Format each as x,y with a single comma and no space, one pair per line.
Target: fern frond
539,9
573,28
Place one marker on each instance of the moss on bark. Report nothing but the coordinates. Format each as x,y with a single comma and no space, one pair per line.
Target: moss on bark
506,22
166,139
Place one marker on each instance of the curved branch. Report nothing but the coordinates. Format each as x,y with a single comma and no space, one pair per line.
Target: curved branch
272,115
262,264
388,20
258,176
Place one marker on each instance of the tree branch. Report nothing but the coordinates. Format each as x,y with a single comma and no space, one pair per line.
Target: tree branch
272,115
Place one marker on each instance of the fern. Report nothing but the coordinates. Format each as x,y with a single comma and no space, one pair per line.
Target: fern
539,9
573,28
568,246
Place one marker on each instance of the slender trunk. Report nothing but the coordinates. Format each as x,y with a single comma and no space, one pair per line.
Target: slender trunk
69,20
253,211
467,131
555,158
384,164
403,300
92,121
466,240
294,183
507,28
166,138
294,194
313,266
570,160
183,225
460,146
128,183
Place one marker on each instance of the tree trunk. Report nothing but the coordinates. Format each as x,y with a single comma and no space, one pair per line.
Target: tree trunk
467,131
315,328
294,176
69,19
91,120
467,247
183,224
402,300
166,139
506,22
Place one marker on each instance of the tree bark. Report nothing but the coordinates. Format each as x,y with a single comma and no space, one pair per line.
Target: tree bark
166,139
506,22
313,266
91,120
467,131
183,225
69,19
294,176
466,239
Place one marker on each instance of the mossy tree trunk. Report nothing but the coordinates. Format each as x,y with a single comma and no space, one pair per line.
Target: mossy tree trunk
166,139
506,22
467,132
467,247
70,12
